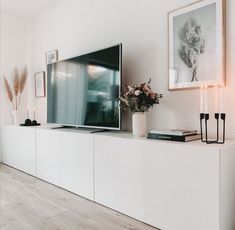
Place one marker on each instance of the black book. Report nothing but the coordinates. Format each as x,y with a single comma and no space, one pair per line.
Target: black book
174,137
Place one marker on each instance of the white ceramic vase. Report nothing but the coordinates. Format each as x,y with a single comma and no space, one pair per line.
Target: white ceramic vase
15,117
139,124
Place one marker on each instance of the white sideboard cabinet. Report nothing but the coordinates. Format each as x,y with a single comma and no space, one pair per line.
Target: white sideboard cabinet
170,185
173,186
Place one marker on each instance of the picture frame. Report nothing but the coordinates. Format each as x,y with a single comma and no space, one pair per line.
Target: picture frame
51,56
40,84
196,45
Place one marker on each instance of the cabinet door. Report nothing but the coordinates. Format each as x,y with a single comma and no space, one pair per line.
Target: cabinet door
118,174
10,153
170,186
19,148
180,186
48,155
77,163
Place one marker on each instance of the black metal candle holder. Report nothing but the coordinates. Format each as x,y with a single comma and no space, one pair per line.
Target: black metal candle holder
204,135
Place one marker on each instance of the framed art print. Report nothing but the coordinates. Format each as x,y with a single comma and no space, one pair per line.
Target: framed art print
51,56
196,45
40,85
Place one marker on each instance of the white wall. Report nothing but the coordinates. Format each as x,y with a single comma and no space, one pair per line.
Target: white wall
79,26
14,53
14,43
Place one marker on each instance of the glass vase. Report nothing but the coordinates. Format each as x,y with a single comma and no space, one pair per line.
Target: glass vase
15,114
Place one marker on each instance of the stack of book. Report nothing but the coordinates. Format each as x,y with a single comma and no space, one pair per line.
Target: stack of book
174,135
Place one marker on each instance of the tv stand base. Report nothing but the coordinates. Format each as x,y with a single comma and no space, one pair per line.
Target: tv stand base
63,127
73,127
100,131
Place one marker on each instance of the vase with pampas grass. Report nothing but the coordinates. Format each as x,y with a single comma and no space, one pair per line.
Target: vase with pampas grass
14,96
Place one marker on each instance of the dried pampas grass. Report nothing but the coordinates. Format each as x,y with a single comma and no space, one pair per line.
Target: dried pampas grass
16,82
9,91
23,79
22,83
16,85
19,83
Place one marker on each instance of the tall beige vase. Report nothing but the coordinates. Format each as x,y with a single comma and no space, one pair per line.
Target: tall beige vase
139,122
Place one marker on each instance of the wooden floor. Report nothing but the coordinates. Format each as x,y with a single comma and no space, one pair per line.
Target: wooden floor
27,203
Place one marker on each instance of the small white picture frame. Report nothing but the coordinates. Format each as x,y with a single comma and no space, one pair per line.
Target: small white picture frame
40,88
51,56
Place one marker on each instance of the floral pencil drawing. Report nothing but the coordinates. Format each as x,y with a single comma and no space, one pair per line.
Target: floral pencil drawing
192,46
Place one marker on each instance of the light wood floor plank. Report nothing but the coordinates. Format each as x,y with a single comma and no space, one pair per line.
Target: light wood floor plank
27,203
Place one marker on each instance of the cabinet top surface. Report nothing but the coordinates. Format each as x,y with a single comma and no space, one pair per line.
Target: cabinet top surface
127,135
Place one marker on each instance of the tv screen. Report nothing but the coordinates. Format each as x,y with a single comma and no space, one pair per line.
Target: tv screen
84,91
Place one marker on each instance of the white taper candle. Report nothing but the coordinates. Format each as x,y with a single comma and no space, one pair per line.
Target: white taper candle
27,111
222,98
34,113
216,99
201,99
206,99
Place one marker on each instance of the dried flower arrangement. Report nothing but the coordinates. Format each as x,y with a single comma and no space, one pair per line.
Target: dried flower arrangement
18,87
139,98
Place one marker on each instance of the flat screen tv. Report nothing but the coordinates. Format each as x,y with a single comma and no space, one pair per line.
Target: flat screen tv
84,91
